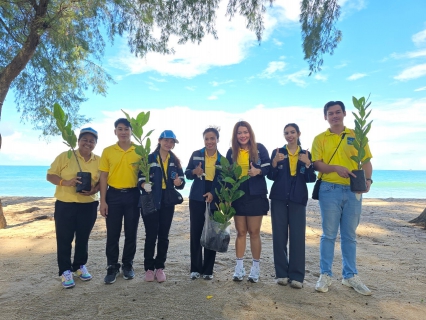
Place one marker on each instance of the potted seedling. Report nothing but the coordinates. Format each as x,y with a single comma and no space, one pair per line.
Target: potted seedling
362,128
216,234
143,150
70,140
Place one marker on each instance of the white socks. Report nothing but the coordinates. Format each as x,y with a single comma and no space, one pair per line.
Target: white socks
256,263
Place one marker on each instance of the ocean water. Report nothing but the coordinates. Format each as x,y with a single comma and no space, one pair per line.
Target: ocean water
31,181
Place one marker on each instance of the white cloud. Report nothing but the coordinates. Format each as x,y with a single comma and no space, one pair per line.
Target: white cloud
273,67
419,38
412,73
421,89
152,86
356,76
320,77
192,59
350,6
393,122
214,95
409,55
340,66
277,42
297,78
190,88
216,83
158,80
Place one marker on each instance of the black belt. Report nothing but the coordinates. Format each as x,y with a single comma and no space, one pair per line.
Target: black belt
122,190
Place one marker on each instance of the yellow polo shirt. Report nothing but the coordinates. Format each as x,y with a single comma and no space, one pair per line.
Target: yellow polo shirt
293,158
324,146
210,166
243,160
67,169
122,166
165,166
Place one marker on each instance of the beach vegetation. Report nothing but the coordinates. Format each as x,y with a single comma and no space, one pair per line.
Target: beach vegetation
362,128
230,180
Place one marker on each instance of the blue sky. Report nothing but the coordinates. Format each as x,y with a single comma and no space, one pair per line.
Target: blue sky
219,82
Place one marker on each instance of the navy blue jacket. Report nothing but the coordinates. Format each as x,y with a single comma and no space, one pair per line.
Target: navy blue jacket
199,185
283,188
156,177
257,184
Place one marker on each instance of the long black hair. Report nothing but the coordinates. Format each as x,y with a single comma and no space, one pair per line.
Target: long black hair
295,126
177,161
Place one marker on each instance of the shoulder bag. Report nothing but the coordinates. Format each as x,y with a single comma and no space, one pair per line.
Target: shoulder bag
315,192
171,196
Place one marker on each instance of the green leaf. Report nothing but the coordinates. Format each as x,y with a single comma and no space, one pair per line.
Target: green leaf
229,180
238,194
69,154
127,116
365,161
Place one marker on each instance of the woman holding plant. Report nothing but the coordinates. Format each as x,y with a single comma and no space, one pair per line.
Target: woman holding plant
253,205
202,169
165,173
291,169
75,213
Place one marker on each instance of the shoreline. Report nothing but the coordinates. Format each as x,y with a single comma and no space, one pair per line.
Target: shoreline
390,254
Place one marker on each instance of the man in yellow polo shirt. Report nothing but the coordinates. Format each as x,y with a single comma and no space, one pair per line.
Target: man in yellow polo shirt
119,199
339,205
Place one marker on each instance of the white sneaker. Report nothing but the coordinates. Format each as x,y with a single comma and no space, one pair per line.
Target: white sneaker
296,284
254,274
357,284
323,283
282,281
239,274
194,275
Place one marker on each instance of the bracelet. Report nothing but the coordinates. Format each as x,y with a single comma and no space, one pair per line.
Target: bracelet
60,182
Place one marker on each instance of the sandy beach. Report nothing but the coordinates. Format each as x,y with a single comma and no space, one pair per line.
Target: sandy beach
391,261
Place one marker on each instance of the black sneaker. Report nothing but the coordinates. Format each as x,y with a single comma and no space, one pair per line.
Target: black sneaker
112,273
128,273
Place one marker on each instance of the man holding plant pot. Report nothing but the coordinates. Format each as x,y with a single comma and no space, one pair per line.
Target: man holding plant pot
119,199
340,207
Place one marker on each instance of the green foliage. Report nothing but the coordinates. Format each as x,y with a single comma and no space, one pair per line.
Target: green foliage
141,149
61,47
230,180
362,128
64,126
318,18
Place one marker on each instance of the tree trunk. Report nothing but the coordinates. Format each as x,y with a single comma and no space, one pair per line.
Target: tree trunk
20,61
421,219
3,223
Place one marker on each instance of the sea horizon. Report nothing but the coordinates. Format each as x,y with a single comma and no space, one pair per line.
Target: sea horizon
30,181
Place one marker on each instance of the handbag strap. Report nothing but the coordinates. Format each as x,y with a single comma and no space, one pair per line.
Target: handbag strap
343,137
162,169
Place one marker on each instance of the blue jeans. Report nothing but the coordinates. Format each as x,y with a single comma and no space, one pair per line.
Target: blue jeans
339,207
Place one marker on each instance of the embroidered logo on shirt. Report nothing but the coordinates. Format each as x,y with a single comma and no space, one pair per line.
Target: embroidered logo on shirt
350,140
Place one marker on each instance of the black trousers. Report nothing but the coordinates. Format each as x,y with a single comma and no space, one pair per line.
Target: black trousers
288,225
157,228
197,218
73,219
122,205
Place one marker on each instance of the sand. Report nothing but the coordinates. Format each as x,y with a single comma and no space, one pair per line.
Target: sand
391,261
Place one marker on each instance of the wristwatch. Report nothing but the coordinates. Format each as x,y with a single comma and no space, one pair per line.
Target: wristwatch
371,180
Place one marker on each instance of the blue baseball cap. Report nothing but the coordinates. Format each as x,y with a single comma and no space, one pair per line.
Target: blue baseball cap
168,134
88,130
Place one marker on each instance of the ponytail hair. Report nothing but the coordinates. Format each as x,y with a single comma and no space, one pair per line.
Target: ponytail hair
295,126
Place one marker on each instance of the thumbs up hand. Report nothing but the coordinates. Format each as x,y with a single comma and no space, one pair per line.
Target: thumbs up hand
253,171
198,171
278,157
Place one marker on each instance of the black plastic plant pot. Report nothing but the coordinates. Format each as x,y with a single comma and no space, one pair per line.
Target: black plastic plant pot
147,204
358,184
86,181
